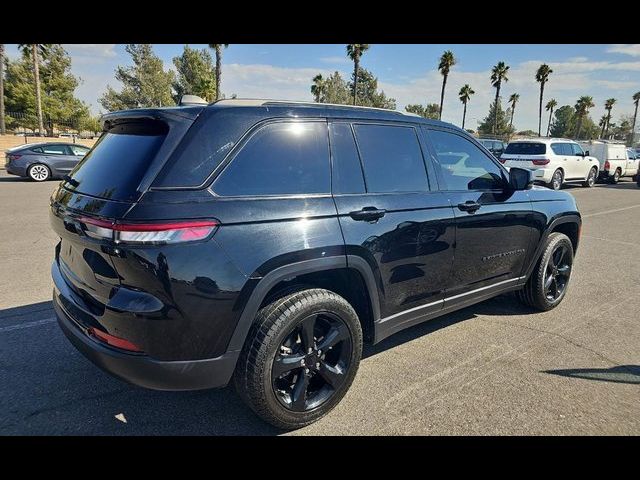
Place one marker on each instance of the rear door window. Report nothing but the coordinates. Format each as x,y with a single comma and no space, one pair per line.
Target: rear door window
392,158
283,158
526,148
56,150
346,168
118,161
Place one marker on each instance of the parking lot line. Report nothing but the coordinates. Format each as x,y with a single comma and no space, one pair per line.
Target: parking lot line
20,326
610,211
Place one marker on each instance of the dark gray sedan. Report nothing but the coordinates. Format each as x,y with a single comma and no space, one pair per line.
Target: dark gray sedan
42,161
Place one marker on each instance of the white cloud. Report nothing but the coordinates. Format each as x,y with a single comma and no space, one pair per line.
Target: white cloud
339,60
626,49
268,81
100,50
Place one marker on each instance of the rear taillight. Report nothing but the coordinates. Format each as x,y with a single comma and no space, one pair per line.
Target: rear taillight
14,157
149,233
114,341
541,161
607,165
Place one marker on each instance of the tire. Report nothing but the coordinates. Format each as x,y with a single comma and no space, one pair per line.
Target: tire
556,180
536,293
39,172
615,178
278,334
591,178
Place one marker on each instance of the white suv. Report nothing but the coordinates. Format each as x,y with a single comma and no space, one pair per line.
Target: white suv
554,160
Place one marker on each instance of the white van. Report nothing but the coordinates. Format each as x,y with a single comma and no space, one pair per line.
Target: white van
612,157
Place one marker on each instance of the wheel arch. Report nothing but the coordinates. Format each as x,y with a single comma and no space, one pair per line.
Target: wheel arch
569,224
346,278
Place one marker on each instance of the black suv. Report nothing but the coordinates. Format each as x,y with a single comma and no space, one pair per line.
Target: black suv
263,242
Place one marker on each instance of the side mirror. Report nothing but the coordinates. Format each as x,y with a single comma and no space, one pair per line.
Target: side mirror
586,153
520,178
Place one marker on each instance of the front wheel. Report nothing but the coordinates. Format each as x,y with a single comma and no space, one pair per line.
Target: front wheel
548,283
591,179
556,180
300,358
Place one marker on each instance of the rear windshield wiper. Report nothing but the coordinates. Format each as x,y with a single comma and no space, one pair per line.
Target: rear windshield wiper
71,181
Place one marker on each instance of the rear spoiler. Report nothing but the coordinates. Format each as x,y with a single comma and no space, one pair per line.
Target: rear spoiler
165,115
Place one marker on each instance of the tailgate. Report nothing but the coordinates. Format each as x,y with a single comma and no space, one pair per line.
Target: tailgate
85,262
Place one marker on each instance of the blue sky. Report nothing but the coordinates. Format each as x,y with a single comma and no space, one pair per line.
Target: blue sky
406,72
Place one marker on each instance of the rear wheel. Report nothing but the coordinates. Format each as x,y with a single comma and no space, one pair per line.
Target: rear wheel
591,179
556,180
615,178
300,358
39,172
548,283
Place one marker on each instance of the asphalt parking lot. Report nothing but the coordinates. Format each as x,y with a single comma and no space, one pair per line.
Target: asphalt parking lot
493,368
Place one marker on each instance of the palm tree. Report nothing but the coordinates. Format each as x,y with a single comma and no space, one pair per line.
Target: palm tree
36,50
602,123
318,88
354,52
582,107
513,99
465,95
551,104
218,49
2,125
447,60
498,75
542,76
636,100
608,105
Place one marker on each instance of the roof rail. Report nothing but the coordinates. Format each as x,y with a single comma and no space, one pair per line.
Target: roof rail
251,102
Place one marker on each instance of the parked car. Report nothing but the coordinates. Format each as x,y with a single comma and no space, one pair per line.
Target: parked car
494,146
555,161
262,242
43,161
633,163
612,157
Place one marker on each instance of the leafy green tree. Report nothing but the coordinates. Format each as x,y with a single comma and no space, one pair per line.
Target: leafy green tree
527,133
60,107
145,83
542,77
582,107
564,122
355,52
217,47
622,130
498,75
447,60
2,122
608,106
513,99
367,91
432,110
195,75
90,124
551,104
465,96
495,122
37,51
318,89
602,123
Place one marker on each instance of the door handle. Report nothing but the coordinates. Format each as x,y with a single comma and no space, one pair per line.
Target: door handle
469,206
368,214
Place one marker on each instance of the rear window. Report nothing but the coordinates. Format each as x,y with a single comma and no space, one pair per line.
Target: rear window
115,166
526,148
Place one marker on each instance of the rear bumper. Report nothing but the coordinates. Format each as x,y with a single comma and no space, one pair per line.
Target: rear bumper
140,369
543,175
15,170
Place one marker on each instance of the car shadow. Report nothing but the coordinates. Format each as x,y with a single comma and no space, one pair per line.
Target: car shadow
50,388
629,374
506,304
14,179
